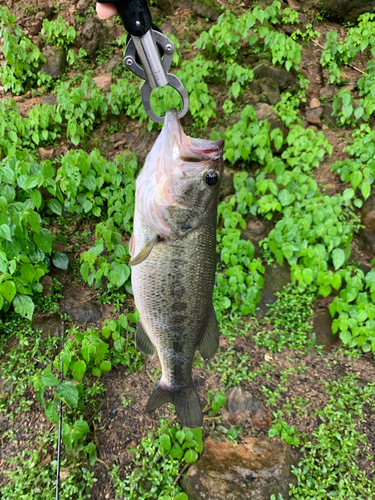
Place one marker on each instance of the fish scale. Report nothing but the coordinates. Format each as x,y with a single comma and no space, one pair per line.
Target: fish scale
173,281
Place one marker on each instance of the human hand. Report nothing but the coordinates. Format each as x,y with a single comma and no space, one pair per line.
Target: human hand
106,10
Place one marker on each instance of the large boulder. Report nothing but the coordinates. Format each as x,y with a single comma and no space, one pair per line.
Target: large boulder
367,233
287,81
264,111
253,470
95,37
55,64
209,9
346,10
256,230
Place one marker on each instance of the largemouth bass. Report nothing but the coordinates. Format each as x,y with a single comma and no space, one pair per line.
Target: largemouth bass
174,260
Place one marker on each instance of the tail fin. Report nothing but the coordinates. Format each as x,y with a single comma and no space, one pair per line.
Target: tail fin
186,401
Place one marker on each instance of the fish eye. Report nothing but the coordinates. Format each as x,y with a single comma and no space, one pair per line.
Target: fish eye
212,178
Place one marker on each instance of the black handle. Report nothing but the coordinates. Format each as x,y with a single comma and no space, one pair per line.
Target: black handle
135,15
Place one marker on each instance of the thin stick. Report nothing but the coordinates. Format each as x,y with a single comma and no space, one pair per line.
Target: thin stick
180,474
60,407
97,411
350,65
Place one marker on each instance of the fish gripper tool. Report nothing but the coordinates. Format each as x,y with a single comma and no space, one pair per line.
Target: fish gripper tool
149,53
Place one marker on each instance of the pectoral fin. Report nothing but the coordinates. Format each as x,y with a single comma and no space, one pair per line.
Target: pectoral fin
144,253
210,340
142,341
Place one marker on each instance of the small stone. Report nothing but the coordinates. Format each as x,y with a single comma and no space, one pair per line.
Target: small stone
294,5
366,234
72,10
166,28
103,81
209,9
49,99
40,15
226,186
116,137
243,406
114,62
314,103
59,247
127,457
325,127
256,230
314,120
95,37
327,92
55,61
83,4
46,154
82,310
275,278
314,112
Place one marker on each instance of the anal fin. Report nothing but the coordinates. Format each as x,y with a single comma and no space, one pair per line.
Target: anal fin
142,341
210,341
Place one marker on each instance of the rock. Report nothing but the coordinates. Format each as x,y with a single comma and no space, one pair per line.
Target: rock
50,326
264,111
95,36
226,187
256,230
166,6
286,80
314,103
40,15
327,92
346,10
253,470
322,327
275,278
80,309
209,9
243,406
126,457
294,5
83,4
328,113
143,144
166,28
46,154
113,63
55,64
104,82
269,87
314,120
46,282
314,112
367,233
49,99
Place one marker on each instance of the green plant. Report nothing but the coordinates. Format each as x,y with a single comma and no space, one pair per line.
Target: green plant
21,68
157,462
289,319
287,433
58,32
330,458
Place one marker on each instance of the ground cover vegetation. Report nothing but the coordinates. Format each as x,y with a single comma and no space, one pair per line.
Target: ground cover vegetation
69,216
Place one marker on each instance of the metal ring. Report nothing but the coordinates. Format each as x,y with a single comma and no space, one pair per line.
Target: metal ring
173,82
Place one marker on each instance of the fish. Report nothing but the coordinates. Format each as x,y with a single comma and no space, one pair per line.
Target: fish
173,261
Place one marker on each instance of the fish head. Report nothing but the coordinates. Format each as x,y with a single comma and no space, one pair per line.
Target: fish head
180,181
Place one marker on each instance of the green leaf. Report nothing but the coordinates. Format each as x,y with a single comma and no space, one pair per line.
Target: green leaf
338,257
43,240
5,232
8,290
79,369
49,379
218,401
181,496
61,261
55,206
96,371
191,456
365,189
52,412
85,270
68,392
180,436
165,442
176,451
105,366
36,198
24,306
285,197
